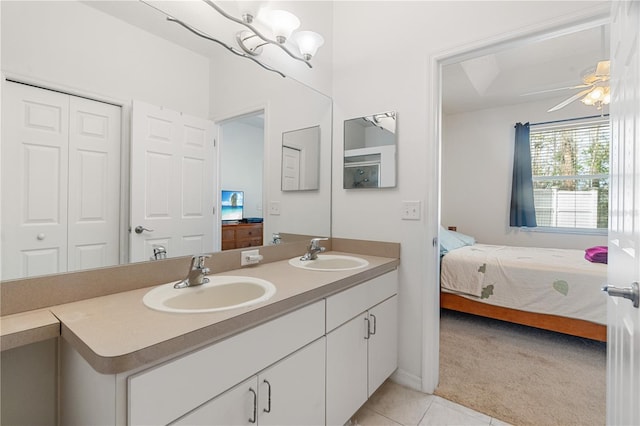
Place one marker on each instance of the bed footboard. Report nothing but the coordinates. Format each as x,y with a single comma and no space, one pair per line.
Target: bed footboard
556,323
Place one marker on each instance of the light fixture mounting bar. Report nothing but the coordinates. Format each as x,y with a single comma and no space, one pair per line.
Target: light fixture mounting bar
229,48
256,32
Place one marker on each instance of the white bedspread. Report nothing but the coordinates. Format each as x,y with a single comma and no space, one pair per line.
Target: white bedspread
550,281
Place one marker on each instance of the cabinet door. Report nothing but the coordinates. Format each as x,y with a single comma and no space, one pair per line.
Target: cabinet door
292,391
346,370
237,406
383,343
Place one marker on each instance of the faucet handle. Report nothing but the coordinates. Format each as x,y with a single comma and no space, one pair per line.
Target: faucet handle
315,243
197,261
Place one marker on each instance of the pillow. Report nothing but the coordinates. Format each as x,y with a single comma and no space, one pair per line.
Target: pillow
451,240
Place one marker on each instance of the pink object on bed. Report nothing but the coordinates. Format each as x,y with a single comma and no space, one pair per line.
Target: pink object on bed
597,254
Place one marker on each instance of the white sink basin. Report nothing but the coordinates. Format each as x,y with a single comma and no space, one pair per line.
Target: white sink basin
330,262
219,294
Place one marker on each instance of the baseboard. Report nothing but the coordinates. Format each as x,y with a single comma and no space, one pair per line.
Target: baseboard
406,379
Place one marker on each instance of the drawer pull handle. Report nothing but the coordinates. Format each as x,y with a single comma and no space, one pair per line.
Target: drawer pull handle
268,409
255,406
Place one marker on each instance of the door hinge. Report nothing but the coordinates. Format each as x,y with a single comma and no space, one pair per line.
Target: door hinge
214,142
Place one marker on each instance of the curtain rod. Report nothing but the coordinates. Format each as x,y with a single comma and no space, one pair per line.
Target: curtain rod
569,119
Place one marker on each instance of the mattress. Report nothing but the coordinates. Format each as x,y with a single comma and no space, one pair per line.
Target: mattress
542,280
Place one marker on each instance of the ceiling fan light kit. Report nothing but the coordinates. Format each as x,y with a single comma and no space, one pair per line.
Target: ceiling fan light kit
597,92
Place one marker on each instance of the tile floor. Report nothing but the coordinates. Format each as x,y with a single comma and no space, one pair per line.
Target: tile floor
394,405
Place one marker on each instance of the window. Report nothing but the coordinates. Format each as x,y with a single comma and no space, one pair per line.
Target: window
570,167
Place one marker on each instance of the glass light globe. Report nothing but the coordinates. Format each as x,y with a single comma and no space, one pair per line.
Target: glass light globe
308,43
283,23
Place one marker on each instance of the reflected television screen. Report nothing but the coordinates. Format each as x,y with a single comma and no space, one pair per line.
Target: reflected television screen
232,205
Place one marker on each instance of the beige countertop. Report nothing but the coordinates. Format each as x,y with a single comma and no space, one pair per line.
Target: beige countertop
117,333
27,327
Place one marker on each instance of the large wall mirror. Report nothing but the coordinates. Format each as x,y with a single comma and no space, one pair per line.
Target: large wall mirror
118,52
370,151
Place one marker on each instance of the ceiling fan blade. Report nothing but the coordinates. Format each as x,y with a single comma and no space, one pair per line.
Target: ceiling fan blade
603,68
569,100
557,89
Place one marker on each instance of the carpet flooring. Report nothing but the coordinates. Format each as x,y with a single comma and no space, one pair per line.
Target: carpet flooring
521,375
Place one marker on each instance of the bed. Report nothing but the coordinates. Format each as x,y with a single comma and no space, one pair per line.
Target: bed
553,289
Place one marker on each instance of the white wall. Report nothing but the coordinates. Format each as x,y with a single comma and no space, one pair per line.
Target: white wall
477,159
73,45
241,168
382,53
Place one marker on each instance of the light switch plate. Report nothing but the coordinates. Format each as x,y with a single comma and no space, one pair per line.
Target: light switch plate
410,210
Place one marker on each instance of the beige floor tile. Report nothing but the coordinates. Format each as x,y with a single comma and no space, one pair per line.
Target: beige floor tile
446,413
367,417
405,406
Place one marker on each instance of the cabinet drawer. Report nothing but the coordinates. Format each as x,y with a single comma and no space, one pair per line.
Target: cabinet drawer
228,234
349,303
248,232
164,393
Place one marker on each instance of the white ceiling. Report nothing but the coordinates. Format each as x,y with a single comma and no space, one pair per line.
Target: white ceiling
504,76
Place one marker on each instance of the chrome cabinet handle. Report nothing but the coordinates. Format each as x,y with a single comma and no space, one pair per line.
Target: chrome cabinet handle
632,293
268,409
255,406
140,229
375,324
368,328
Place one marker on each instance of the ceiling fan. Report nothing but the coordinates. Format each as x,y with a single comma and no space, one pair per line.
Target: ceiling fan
595,88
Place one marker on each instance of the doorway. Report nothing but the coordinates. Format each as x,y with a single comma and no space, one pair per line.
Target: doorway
242,141
439,63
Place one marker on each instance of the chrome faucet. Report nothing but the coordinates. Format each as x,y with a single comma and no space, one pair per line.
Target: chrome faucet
313,249
197,273
159,253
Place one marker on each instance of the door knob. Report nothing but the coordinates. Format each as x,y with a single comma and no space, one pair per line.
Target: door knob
632,293
140,229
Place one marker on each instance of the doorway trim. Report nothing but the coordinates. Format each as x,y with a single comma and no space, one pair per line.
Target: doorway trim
590,18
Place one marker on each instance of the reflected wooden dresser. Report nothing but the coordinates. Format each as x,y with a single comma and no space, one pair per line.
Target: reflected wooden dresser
240,235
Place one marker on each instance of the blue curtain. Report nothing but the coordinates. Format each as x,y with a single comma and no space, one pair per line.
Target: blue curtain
523,212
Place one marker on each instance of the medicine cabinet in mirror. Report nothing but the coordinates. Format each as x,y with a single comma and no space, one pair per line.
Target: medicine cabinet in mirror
370,151
301,159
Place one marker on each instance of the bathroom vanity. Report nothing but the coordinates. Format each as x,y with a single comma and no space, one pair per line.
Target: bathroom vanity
312,354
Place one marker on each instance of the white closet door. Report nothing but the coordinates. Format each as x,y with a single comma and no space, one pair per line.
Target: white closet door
94,184
35,137
172,182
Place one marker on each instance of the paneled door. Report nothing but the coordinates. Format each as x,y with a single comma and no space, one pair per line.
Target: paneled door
173,183
290,169
60,182
623,366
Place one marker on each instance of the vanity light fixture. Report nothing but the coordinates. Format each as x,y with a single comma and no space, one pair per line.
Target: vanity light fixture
282,25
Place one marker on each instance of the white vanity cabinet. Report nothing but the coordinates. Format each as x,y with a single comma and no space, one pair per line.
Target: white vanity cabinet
163,394
291,392
361,344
